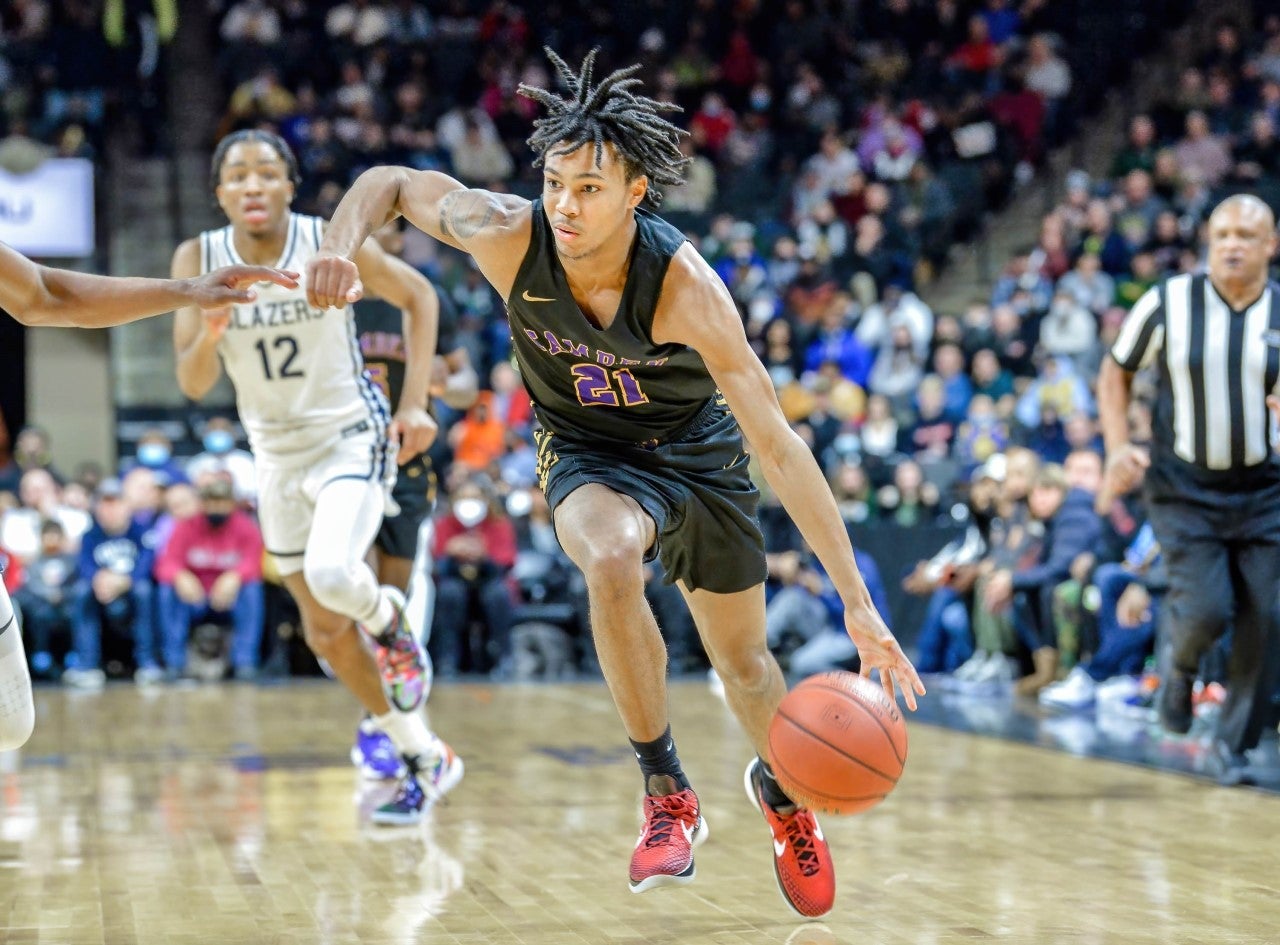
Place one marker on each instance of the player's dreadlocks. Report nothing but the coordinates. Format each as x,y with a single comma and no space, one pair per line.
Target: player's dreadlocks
609,112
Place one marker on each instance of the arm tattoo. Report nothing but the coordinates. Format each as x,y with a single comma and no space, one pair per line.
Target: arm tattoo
464,213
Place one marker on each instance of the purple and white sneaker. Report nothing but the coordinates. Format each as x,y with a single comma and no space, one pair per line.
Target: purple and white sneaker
426,782
375,755
402,662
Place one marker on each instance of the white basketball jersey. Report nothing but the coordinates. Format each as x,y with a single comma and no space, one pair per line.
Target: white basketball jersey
299,377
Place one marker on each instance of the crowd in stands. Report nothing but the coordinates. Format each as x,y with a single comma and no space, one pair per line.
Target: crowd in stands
70,69
982,420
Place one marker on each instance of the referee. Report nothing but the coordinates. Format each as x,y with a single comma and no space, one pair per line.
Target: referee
1212,482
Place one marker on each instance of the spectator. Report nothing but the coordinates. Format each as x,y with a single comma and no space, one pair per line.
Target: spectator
115,593
31,450
806,617
948,367
1069,330
1201,152
837,343
1049,76
1088,285
1100,239
1258,156
1070,528
359,22
155,452
898,368
474,550
211,568
910,500
990,379
221,458
1139,152
879,434
1057,386
45,600
478,437
1137,209
698,192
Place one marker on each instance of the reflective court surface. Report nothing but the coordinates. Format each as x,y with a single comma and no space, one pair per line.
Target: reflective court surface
232,815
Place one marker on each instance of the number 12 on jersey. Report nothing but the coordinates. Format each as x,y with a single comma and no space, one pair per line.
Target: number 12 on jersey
283,343
595,387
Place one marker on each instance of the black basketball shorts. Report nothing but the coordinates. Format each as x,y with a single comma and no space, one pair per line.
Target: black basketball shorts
695,487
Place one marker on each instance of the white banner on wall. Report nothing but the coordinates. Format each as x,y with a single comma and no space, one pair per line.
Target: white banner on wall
49,212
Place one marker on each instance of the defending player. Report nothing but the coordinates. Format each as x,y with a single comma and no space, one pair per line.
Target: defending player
323,440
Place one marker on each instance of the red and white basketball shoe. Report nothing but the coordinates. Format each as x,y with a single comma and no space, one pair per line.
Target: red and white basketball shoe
801,860
663,856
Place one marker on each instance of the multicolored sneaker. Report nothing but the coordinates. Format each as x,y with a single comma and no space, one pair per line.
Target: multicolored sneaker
663,856
402,663
375,755
801,861
421,787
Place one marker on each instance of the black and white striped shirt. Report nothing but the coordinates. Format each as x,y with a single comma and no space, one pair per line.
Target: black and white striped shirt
1215,369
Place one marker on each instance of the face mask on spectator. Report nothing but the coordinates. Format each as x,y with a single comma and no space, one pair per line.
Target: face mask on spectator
153,454
217,519
219,441
470,512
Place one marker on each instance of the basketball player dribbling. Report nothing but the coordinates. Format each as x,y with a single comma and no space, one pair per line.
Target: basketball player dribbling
323,442
37,295
402,547
640,372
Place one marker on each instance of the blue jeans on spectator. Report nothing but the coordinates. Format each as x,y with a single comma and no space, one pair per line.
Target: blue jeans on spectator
247,614
1121,650
130,614
946,640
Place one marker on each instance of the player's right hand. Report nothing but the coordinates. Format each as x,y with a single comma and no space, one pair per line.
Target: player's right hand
333,281
234,284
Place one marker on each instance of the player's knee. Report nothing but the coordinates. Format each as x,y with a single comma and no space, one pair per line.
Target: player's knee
331,584
748,668
614,565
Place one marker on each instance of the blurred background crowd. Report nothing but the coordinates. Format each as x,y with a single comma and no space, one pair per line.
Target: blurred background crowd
841,152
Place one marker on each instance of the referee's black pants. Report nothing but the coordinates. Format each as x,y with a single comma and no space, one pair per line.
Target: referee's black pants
1221,548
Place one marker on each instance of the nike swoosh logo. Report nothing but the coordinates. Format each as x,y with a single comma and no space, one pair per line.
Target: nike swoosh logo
779,847
688,832
533,298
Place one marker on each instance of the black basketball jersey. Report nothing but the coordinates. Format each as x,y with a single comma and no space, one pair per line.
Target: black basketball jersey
616,383
380,328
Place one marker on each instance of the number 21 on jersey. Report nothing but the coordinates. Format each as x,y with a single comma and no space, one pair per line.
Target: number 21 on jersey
596,387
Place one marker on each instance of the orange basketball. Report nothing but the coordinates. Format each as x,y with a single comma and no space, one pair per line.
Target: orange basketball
837,743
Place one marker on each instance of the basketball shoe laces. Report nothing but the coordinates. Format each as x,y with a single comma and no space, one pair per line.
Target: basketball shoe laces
667,812
799,828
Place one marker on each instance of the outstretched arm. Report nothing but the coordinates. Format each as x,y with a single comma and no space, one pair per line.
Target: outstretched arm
39,295
696,310
475,221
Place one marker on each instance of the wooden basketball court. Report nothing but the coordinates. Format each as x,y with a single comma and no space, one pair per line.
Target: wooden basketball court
232,815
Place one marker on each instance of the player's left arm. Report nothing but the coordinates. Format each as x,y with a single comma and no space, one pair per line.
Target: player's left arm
59,298
409,290
696,310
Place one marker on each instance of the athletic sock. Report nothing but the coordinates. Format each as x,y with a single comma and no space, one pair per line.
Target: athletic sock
658,759
383,615
409,733
773,794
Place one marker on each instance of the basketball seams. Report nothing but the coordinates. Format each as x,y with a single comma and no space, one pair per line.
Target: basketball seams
820,684
809,799
837,749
